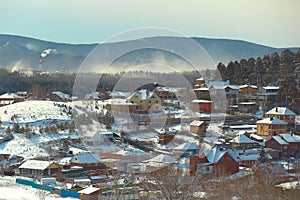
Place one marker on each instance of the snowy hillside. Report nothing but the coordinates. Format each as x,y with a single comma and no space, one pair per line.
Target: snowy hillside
39,112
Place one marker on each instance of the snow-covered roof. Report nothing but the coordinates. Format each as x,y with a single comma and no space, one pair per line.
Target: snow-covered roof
233,87
280,111
289,185
271,120
35,164
169,89
89,190
242,139
187,146
245,86
255,156
86,158
161,158
197,123
279,140
257,137
290,138
142,94
247,103
118,102
201,101
132,152
249,157
243,126
10,96
271,87
62,95
202,89
94,95
216,153
200,79
119,94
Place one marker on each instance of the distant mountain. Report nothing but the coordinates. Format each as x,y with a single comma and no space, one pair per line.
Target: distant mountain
23,52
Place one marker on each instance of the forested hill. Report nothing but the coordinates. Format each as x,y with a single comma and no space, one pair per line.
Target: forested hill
23,52
273,69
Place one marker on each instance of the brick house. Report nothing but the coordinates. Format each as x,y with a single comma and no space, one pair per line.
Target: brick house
217,161
287,144
271,126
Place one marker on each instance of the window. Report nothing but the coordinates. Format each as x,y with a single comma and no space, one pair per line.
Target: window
222,159
229,159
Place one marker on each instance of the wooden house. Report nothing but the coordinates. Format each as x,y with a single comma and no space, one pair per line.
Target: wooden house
217,161
90,193
198,127
39,168
271,126
282,113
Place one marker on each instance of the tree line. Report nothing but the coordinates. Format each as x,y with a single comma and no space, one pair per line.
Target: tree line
281,70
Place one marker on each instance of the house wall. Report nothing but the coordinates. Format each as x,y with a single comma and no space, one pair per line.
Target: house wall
247,163
153,102
290,119
226,165
198,129
247,93
292,149
271,129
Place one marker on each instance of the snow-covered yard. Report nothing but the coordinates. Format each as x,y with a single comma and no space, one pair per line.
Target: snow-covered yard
10,190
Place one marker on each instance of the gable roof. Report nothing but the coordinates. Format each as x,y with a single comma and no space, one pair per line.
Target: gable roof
161,158
10,96
62,95
89,190
233,87
279,140
197,123
216,153
187,146
271,120
290,138
247,85
280,111
86,158
242,139
35,164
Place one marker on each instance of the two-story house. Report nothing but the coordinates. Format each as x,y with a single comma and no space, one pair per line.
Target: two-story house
145,100
282,113
218,161
271,126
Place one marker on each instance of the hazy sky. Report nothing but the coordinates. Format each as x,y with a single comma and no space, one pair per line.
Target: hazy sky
269,22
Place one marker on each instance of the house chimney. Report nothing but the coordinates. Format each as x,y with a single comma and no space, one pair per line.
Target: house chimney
276,109
271,118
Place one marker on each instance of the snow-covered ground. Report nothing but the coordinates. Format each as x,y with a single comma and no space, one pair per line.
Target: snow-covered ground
35,114
33,111
10,190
